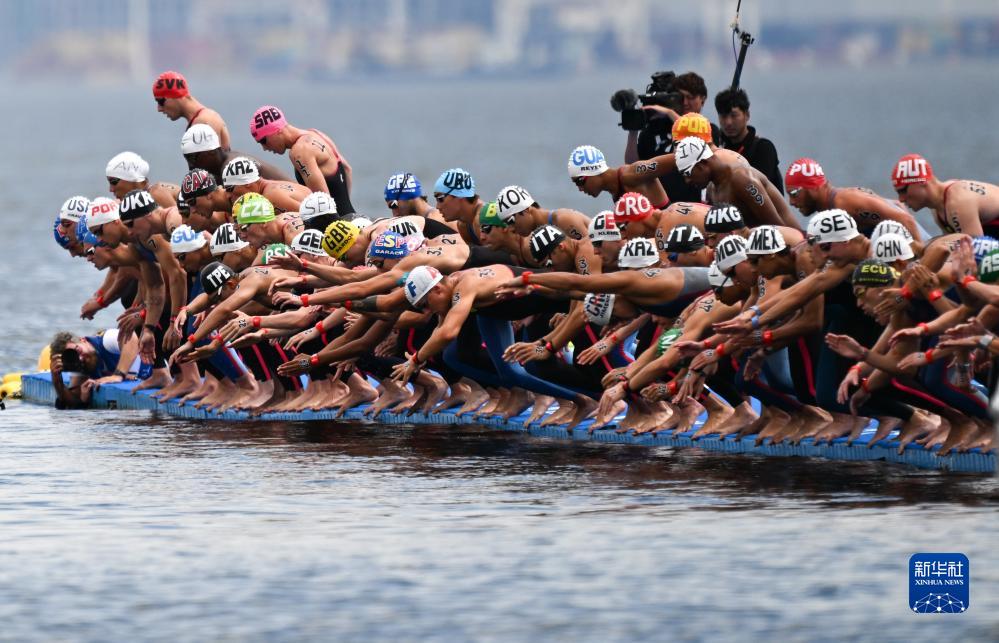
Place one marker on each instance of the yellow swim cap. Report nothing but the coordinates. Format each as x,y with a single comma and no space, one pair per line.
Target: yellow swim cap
252,208
692,124
339,237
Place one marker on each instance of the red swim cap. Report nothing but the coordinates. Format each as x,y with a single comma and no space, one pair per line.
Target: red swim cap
170,84
911,168
804,173
632,206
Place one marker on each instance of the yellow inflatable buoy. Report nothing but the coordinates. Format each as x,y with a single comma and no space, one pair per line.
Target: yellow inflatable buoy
11,386
43,359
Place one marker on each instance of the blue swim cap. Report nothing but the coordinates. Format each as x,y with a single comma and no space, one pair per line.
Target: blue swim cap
83,233
456,182
61,239
389,245
983,245
403,187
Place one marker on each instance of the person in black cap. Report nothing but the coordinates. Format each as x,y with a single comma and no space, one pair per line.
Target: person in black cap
685,247
737,134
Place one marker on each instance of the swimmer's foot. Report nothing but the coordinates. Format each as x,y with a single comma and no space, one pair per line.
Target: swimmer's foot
159,379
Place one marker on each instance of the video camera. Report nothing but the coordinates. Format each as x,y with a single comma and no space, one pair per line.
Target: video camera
661,91
71,362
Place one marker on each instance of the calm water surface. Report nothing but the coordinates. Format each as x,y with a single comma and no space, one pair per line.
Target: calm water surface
126,526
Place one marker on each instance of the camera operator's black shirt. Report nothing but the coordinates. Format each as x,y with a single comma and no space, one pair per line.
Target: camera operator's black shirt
656,142
760,153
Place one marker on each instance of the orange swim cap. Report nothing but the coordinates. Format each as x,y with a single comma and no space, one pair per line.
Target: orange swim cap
692,124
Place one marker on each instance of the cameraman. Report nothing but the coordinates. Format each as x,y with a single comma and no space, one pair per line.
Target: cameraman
738,135
92,361
655,138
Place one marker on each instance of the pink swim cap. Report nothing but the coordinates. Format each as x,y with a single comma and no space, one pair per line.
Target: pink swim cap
266,121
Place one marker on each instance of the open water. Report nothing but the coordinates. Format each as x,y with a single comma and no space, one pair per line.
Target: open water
124,526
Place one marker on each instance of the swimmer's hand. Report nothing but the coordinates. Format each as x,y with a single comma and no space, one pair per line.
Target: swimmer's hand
237,327
846,346
283,282
522,352
905,333
181,351
513,288
147,346
298,339
613,376
974,326
402,373
286,300
301,364
172,339
738,325
688,348
251,338
286,262
913,361
595,352
611,397
89,309
891,302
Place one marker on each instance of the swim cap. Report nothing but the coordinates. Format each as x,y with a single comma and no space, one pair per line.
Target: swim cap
692,124
240,171
317,204
403,187
874,274
136,204
361,222
84,235
544,240
197,183
890,227
667,339
830,226
182,205
388,245
511,200
598,308
102,210
60,238
266,120
911,168
253,208
632,206
74,208
127,166
731,251
214,277
603,227
723,218
186,239
638,253
455,182
309,242
170,84
225,240
982,246
689,152
684,238
765,240
586,160
716,278
804,173
199,138
891,247
276,250
419,282
489,215
339,237
988,267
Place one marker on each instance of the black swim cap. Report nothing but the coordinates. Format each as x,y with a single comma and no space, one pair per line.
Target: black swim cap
872,273
684,238
197,183
214,276
544,240
723,218
137,203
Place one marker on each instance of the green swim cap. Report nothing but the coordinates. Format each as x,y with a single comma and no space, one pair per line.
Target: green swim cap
666,340
252,208
489,215
988,268
276,250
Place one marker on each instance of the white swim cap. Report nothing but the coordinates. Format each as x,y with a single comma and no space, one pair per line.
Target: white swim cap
102,210
225,240
317,204
361,222
74,208
830,226
309,241
127,166
511,200
892,247
199,138
420,281
598,308
586,160
893,227
638,253
186,239
240,171
717,279
765,240
603,227
689,152
730,252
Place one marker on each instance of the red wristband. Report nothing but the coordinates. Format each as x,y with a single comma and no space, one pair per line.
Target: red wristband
906,292
314,360
863,385
549,348
967,280
100,300
190,338
319,326
768,337
934,295
256,322
612,337
305,265
672,387
217,340
855,367
305,300
707,343
303,280
347,305
525,277
720,351
142,313
928,355
925,327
